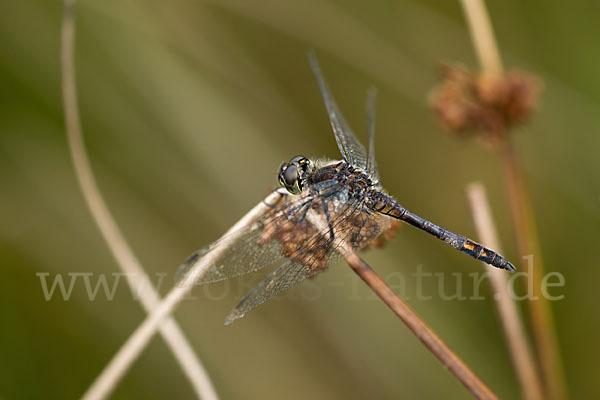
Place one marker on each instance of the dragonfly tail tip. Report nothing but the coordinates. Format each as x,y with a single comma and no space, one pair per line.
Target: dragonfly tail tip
510,268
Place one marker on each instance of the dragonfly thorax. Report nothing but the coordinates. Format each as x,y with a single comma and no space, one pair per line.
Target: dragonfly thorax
339,177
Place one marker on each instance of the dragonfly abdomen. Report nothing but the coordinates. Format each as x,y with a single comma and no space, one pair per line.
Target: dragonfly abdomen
384,204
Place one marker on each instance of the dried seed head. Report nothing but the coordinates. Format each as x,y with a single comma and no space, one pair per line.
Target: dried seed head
466,102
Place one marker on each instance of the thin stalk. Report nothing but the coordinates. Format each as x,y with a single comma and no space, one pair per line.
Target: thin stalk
120,249
483,36
523,219
508,312
132,348
528,245
439,349
130,351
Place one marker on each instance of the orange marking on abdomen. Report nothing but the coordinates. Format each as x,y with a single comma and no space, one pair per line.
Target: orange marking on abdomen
469,246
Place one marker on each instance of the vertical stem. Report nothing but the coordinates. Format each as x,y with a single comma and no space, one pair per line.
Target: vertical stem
514,331
528,245
521,211
483,37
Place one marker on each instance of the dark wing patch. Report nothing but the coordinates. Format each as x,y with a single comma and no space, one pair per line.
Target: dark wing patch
352,225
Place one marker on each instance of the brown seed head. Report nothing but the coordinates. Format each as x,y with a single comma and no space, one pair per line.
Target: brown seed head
467,102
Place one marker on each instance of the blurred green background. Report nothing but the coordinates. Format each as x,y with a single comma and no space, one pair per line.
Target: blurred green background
189,107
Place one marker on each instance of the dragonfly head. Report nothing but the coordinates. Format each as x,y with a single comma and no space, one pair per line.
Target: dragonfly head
293,174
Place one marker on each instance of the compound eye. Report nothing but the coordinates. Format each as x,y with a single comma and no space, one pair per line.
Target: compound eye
290,176
293,174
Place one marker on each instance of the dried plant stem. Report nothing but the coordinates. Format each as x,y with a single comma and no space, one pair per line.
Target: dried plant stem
406,315
483,37
514,331
521,212
132,348
528,245
123,254
419,328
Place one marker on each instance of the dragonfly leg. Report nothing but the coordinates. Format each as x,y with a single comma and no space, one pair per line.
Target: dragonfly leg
304,209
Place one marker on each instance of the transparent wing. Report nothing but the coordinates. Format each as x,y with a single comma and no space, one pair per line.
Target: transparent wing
253,248
242,257
352,150
371,162
299,235
284,277
354,225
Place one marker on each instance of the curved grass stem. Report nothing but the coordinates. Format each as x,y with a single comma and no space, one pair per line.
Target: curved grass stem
140,338
126,259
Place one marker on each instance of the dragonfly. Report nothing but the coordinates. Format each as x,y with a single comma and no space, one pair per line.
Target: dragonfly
323,208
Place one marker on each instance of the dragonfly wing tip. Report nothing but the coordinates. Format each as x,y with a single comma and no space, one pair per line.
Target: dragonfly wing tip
232,316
